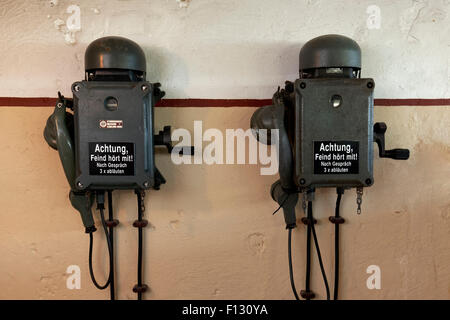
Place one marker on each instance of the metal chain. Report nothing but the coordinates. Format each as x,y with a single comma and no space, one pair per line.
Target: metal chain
142,201
304,202
359,194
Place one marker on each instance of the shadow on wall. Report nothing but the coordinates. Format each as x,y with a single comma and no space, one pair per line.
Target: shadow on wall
218,69
162,65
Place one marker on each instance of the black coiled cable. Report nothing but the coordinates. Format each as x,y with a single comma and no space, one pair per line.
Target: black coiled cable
291,272
111,239
139,266
336,244
322,269
308,293
91,242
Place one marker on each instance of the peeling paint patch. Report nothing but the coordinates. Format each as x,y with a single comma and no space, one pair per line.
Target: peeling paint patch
58,23
446,213
53,3
183,3
33,248
256,243
71,26
69,36
174,224
50,284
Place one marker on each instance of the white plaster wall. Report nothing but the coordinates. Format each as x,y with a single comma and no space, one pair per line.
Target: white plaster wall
226,49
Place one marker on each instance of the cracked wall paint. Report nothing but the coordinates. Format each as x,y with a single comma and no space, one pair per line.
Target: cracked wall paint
419,13
409,17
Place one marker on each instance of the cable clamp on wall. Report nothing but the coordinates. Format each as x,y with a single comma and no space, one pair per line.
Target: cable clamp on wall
306,221
112,223
336,220
140,223
140,289
308,295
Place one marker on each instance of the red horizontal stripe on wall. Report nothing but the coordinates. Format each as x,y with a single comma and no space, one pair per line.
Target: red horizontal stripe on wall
211,103
214,102
412,102
26,102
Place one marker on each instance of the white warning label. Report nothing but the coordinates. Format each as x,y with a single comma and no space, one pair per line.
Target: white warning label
334,157
111,158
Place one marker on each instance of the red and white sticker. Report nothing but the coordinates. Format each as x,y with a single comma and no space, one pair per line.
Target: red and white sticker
111,124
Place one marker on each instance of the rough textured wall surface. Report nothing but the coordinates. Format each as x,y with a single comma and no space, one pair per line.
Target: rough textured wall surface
226,49
212,234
